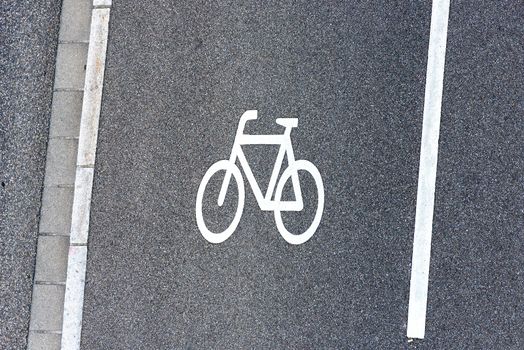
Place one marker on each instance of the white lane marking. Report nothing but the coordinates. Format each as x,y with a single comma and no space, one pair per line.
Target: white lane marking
74,297
418,292
94,81
77,258
81,205
102,3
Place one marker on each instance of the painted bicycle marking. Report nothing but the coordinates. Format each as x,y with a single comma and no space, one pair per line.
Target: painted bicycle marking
276,184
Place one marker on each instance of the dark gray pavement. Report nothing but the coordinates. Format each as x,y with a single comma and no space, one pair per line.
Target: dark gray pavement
178,78
477,271
28,39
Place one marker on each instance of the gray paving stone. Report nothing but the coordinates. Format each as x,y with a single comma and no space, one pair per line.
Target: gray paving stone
66,113
51,258
75,20
47,307
43,341
71,59
61,162
57,203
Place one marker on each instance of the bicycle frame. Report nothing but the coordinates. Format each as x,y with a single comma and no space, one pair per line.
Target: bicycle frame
286,149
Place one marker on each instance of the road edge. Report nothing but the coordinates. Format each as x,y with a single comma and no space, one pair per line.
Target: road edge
77,257
48,288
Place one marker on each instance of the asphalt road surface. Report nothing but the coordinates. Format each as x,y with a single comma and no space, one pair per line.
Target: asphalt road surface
178,78
28,39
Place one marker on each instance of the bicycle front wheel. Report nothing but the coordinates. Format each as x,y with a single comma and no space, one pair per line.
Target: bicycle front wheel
300,165
219,237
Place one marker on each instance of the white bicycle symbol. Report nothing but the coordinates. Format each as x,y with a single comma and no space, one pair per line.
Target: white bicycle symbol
264,202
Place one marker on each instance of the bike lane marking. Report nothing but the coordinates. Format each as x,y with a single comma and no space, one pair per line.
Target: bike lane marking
265,201
418,293
254,272
92,99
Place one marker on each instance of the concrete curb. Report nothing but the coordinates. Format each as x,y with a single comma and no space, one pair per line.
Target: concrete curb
77,257
56,309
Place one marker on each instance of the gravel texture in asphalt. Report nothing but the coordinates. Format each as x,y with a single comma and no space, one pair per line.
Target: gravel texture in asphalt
178,78
28,40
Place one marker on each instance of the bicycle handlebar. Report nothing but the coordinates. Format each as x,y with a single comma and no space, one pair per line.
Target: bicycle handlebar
248,115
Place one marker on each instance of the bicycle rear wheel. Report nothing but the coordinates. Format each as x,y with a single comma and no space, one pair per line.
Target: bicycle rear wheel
219,237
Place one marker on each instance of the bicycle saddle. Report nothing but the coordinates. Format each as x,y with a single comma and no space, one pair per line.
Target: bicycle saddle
287,122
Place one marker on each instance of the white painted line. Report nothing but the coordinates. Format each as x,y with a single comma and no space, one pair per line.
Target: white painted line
418,293
81,205
74,297
99,3
96,57
77,259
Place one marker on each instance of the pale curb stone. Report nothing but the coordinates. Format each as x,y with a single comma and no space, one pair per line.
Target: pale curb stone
93,87
81,205
77,259
60,162
51,258
57,203
46,307
56,311
70,63
43,341
75,20
65,114
74,297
